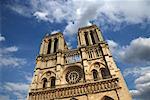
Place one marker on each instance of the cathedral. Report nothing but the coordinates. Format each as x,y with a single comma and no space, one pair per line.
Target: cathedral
85,73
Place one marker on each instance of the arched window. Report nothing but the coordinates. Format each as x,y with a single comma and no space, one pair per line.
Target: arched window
73,98
105,73
53,79
55,44
95,34
44,82
49,47
86,38
95,74
107,98
92,37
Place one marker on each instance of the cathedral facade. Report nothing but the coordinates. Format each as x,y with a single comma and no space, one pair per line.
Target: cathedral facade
85,73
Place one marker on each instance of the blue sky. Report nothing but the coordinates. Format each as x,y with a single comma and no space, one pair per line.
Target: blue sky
125,26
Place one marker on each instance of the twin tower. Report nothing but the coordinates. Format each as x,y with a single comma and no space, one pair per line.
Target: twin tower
86,73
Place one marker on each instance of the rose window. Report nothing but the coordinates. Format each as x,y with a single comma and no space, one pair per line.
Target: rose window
73,76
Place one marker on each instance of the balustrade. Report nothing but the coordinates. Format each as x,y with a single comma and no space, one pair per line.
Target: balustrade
75,90
72,56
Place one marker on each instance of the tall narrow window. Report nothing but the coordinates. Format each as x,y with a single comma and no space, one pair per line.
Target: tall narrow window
55,44
93,40
95,74
49,47
105,73
95,34
53,79
44,82
86,38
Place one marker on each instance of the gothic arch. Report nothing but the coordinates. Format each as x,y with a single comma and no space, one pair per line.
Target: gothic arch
53,82
92,66
95,74
49,47
107,98
55,44
48,75
44,82
105,73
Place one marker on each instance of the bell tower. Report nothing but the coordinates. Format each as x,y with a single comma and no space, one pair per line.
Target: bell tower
85,73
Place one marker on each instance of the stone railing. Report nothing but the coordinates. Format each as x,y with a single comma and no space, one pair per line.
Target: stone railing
93,52
52,56
72,56
74,90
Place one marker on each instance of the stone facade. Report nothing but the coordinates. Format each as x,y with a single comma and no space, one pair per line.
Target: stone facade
86,73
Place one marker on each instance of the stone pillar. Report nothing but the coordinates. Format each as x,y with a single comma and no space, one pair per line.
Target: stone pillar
89,38
99,34
45,47
42,48
81,38
52,45
95,35
58,58
60,43
58,75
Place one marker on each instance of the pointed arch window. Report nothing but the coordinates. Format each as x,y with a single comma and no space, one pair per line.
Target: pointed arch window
44,82
92,37
49,47
105,74
95,34
86,38
107,98
73,98
53,82
95,74
55,44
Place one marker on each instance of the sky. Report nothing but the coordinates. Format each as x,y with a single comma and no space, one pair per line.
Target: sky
125,25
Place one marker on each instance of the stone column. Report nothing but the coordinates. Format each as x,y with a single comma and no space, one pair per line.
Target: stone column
45,47
81,39
89,38
95,35
99,34
42,47
52,45
61,43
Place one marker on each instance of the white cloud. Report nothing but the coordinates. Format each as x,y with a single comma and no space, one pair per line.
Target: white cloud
69,45
4,97
16,86
7,58
142,82
11,49
41,15
11,61
21,9
112,45
28,77
136,71
18,89
55,31
2,38
78,13
136,52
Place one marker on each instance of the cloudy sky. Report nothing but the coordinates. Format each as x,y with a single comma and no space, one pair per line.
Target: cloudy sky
125,25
